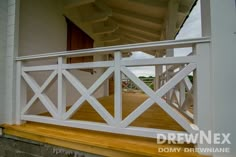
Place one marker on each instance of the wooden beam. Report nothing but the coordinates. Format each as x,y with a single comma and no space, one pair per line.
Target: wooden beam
76,3
101,16
139,28
96,17
171,19
139,35
134,37
104,30
110,38
140,17
153,3
131,38
160,4
103,7
171,22
184,9
136,29
128,39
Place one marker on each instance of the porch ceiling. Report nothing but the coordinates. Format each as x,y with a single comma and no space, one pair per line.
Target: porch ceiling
112,22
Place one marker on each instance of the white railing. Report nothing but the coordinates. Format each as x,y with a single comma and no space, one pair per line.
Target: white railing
179,87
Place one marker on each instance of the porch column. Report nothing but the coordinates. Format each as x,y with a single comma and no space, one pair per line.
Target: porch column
171,22
9,107
221,27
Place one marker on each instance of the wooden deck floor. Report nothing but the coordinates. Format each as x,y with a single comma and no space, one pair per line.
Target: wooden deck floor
154,117
106,144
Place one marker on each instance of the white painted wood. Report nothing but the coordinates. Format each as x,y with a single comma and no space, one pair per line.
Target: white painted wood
171,23
182,93
60,116
158,72
118,88
222,69
39,68
75,107
139,47
97,64
186,114
42,97
156,98
92,101
177,78
100,80
188,83
176,94
21,96
61,89
134,131
188,101
205,18
9,24
3,63
42,88
202,81
159,61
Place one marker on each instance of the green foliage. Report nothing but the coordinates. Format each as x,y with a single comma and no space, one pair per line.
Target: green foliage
190,78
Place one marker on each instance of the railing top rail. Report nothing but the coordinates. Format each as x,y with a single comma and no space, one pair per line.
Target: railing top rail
129,47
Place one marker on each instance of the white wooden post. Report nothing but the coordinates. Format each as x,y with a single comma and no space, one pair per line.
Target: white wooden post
118,89
171,22
106,83
202,94
21,93
61,89
182,91
158,71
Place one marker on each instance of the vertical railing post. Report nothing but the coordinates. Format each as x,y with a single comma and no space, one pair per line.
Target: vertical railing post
21,93
118,89
61,89
202,94
158,72
182,92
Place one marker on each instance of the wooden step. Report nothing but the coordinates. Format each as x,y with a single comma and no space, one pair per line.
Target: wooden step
106,144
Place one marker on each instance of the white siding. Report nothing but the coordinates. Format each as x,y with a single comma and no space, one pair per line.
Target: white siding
43,30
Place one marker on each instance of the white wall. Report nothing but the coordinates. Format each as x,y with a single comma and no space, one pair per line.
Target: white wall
43,30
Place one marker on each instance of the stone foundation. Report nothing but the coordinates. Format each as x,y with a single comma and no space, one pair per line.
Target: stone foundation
18,147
